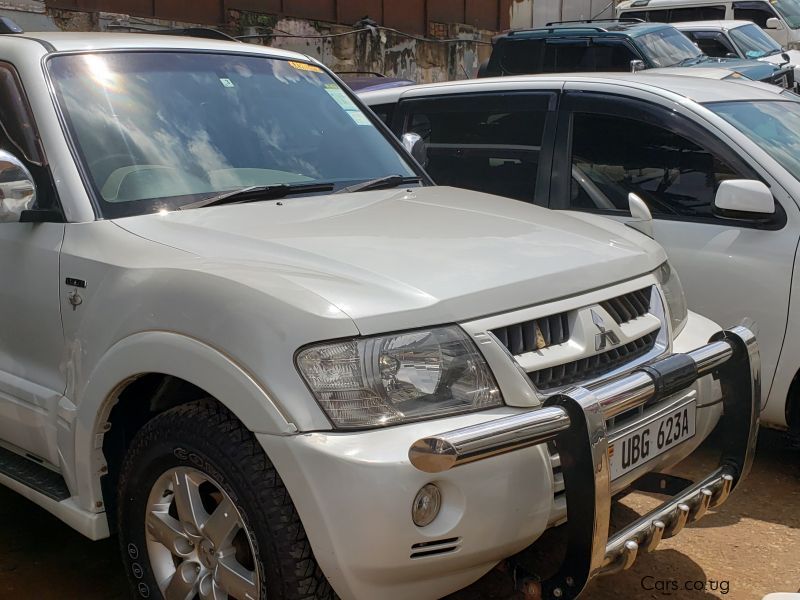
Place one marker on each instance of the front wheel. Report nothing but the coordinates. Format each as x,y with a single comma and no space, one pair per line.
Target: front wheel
203,514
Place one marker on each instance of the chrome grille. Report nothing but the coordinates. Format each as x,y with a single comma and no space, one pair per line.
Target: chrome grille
628,307
535,334
592,366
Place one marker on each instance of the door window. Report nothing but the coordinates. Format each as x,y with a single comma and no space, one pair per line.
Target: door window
757,12
20,137
654,16
696,13
612,156
712,43
489,145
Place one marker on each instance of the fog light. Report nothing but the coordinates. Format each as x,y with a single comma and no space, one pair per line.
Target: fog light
426,505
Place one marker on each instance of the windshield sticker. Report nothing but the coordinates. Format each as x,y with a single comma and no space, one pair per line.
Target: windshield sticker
226,82
343,100
338,95
359,117
301,66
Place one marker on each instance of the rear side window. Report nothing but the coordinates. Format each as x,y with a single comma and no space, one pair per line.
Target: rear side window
612,156
696,13
712,43
655,16
486,145
571,55
521,57
693,13
757,12
384,112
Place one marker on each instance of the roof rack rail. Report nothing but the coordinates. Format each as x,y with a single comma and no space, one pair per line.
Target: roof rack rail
622,20
8,26
549,27
199,32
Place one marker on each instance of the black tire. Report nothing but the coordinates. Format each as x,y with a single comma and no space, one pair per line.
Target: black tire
205,436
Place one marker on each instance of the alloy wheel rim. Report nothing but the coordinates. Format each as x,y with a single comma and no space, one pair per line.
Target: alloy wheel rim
197,541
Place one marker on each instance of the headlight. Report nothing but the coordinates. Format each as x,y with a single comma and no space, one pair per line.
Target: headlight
389,379
673,292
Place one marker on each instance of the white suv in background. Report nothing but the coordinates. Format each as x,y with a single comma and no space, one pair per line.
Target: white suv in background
779,18
739,39
716,162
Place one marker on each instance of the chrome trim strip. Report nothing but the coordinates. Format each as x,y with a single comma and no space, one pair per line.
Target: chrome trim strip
460,446
476,442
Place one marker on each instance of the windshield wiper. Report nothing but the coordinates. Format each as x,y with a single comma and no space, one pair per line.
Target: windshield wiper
259,192
688,60
389,181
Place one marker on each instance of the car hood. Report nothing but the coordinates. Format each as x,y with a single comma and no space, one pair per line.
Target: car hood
412,257
752,69
777,59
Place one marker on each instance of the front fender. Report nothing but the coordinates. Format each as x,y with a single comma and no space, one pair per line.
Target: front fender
82,423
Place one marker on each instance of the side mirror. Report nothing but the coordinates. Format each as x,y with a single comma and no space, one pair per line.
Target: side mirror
17,189
637,65
414,143
642,218
743,198
483,69
774,23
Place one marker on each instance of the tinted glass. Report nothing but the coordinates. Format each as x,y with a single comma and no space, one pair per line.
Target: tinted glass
657,16
774,126
667,47
17,120
757,12
494,150
613,156
711,43
753,42
521,56
159,129
696,13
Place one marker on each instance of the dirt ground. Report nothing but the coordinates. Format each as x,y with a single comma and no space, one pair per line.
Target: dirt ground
748,548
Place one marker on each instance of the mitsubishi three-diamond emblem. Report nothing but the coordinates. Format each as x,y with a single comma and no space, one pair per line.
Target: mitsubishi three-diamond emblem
605,337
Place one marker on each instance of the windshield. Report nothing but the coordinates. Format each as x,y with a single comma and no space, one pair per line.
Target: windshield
789,10
753,42
156,130
772,125
667,47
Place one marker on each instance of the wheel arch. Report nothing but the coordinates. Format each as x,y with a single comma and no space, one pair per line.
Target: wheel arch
141,376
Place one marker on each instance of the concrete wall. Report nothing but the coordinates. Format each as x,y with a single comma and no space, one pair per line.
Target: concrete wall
535,13
380,51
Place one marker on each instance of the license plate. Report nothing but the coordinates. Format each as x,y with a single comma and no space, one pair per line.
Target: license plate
651,439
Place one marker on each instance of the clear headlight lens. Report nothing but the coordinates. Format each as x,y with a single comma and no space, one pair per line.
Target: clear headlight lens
676,300
390,379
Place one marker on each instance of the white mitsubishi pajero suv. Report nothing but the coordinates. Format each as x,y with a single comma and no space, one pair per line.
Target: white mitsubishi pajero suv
244,331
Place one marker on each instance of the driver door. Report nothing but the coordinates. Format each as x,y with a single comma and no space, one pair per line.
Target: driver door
32,376
608,146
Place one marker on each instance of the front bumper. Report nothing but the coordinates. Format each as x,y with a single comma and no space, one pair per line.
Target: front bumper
576,419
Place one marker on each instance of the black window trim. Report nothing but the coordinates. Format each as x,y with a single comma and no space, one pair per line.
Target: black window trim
406,106
619,105
40,170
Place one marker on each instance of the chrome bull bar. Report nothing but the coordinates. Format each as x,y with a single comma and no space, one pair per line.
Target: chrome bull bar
576,419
